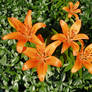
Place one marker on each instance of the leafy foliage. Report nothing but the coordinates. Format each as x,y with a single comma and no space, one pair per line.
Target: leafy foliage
12,78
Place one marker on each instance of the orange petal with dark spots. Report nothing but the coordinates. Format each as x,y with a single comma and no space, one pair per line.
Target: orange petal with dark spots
76,16
30,52
77,66
37,26
28,19
34,39
59,36
70,5
75,28
82,46
80,36
19,26
32,63
88,65
76,5
64,27
14,35
75,47
52,60
88,52
20,46
88,48
66,9
77,11
51,48
65,46
41,70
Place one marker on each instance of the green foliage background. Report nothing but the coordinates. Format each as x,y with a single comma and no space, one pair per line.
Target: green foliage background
12,78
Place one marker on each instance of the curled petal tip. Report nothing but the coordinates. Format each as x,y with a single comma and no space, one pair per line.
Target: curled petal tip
61,21
70,2
77,2
74,70
29,10
80,12
41,78
4,38
44,25
87,38
24,67
59,65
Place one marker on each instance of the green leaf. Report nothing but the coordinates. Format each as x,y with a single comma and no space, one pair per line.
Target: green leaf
3,60
54,31
69,67
87,76
2,52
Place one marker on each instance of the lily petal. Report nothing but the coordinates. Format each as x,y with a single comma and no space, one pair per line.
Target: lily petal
52,60
66,9
89,58
76,5
30,52
40,38
70,15
64,27
14,35
65,46
88,65
75,47
37,26
77,66
70,5
20,45
19,26
28,19
51,48
41,70
80,36
75,28
40,48
77,11
88,49
59,36
34,39
32,63
88,52
76,16
82,46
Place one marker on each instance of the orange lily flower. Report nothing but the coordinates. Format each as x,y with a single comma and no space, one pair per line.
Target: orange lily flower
72,9
25,31
84,58
69,36
40,57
